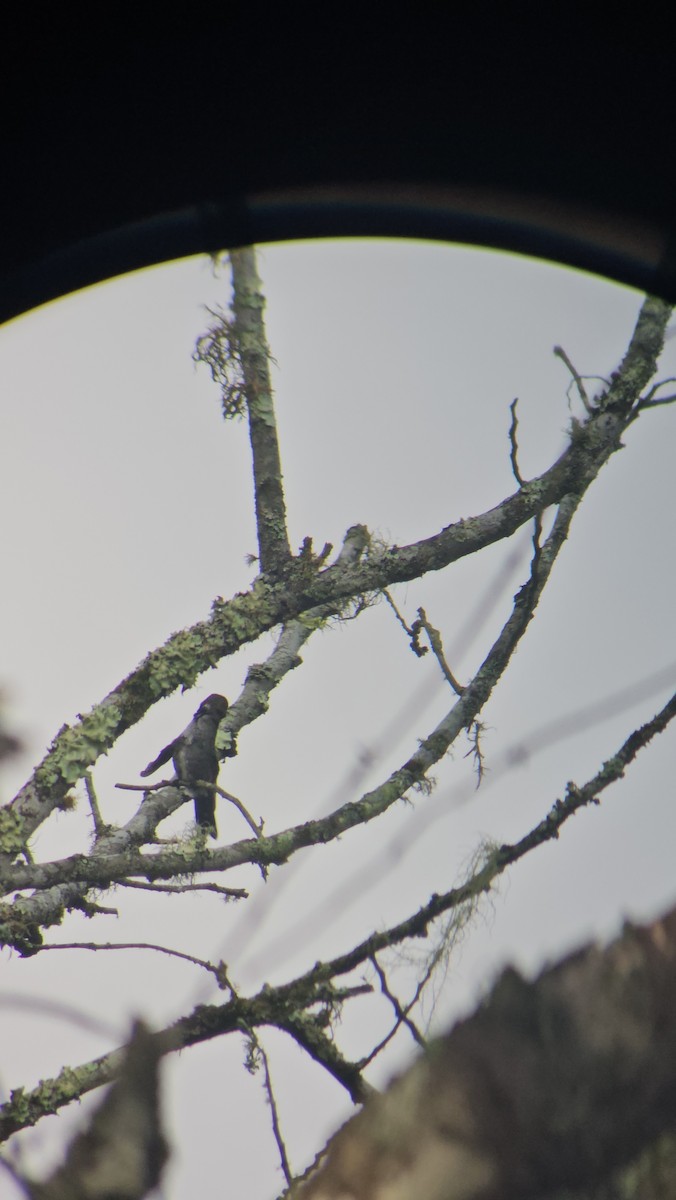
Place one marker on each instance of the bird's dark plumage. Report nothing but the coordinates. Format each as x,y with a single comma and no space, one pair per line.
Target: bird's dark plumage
195,758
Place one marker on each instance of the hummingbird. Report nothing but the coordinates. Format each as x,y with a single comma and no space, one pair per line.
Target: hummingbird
195,758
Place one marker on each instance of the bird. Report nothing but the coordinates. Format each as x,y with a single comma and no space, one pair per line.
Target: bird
195,758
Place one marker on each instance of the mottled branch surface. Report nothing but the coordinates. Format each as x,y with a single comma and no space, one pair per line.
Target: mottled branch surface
550,1088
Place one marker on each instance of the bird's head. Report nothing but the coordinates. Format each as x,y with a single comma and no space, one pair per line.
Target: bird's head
214,706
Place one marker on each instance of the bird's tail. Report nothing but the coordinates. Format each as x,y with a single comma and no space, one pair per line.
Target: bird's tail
205,812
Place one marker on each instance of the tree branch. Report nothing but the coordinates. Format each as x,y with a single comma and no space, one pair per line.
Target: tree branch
582,391
280,1006
235,622
216,971
259,1049
100,869
495,863
247,306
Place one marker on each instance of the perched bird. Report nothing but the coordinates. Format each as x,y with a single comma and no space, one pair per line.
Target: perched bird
195,758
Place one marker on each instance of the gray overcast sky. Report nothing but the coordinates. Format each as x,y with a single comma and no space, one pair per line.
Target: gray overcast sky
128,508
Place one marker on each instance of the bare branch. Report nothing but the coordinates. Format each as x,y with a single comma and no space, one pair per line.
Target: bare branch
649,400
496,863
306,1031
146,787
179,888
513,446
406,628
474,733
438,651
400,1013
216,971
247,306
428,972
257,828
259,1050
578,379
99,824
284,1007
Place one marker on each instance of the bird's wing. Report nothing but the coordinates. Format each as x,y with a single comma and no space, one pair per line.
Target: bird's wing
162,758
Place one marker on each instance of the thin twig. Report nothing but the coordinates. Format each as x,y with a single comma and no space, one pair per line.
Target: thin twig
413,631
514,459
513,444
305,1030
203,783
400,1013
422,984
396,612
474,732
652,392
146,787
560,353
658,403
99,824
89,908
229,893
274,1113
258,829
649,401
438,651
217,971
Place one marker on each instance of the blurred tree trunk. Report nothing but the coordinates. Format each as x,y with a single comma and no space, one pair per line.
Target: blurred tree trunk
565,1087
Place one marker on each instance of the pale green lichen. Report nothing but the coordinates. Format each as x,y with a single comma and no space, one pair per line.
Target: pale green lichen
74,750
12,836
224,742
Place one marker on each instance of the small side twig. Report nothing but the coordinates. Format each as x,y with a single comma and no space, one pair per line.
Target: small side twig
438,651
229,893
258,1050
649,401
217,971
513,444
658,403
413,631
400,1013
203,783
307,1033
146,787
257,829
99,824
578,379
474,732
514,459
